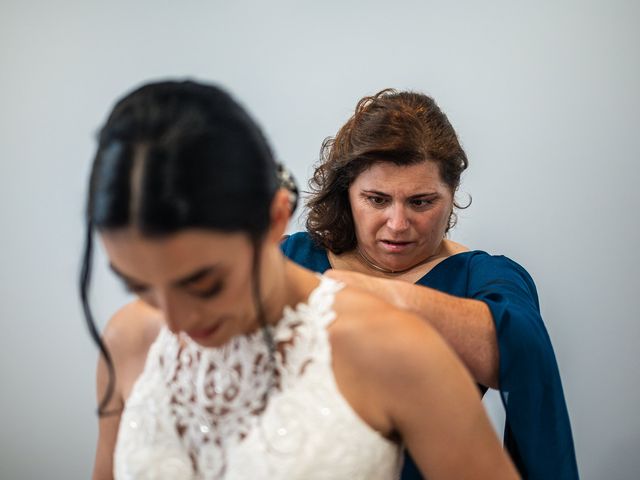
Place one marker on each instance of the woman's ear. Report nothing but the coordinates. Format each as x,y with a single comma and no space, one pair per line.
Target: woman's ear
280,215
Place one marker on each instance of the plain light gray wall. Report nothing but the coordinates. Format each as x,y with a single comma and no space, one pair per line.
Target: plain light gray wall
544,96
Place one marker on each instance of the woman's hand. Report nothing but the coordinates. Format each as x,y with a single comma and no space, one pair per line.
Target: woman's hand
385,289
466,324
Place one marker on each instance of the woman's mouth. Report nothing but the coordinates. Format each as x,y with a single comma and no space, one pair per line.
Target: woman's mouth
394,246
203,333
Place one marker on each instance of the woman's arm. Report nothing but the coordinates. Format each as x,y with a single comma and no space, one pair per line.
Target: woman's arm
107,427
127,336
465,323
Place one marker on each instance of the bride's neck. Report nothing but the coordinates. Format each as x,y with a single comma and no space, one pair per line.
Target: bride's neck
286,284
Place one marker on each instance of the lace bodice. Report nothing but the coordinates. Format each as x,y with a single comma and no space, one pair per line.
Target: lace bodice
227,413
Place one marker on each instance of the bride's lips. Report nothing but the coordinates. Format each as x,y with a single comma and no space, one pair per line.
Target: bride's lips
395,246
203,333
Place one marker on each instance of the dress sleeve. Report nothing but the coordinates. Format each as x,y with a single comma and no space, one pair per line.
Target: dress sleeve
537,431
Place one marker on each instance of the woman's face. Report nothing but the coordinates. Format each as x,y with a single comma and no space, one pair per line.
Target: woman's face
200,280
400,213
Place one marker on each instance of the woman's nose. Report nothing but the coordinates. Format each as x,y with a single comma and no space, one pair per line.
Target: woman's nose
178,313
398,220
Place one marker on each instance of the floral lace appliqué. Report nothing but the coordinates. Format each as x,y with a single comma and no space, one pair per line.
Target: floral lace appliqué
232,412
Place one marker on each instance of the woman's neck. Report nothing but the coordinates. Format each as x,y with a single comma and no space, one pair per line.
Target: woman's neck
289,285
357,260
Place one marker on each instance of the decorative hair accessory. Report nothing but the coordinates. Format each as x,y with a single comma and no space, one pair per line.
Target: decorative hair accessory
286,180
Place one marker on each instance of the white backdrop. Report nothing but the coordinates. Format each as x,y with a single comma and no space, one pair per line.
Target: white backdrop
544,96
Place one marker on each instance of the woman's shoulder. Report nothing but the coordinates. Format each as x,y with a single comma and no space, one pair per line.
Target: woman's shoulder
298,240
483,264
478,273
131,330
481,261
304,250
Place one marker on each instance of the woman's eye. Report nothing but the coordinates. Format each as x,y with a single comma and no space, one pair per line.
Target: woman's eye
377,201
143,293
135,289
421,203
209,292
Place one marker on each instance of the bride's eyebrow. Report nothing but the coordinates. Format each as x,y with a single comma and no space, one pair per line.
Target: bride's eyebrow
125,278
195,276
184,281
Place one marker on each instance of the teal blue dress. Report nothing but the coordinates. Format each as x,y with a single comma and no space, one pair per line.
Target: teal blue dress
537,429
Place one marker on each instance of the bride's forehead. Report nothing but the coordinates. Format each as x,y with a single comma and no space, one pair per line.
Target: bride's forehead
193,236
156,260
187,246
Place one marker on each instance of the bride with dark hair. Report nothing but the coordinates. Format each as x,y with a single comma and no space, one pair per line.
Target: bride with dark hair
234,362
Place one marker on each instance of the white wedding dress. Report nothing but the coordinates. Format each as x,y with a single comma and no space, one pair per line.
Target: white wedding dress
209,413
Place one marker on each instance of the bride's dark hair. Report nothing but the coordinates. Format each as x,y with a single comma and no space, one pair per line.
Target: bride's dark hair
177,155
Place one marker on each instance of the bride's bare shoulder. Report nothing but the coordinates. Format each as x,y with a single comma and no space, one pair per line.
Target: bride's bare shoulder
381,353
132,329
373,332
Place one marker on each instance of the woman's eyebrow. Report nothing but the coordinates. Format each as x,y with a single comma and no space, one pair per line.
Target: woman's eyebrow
410,197
425,194
184,281
195,276
375,192
125,278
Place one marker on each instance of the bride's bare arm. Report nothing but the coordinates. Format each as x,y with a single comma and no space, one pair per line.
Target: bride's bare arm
107,427
108,421
127,337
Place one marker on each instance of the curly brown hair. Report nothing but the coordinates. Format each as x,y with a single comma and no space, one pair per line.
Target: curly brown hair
404,128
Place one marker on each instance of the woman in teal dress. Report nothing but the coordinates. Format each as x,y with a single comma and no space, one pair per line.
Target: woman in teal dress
382,202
